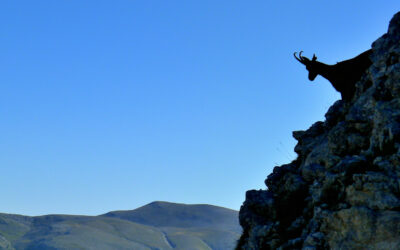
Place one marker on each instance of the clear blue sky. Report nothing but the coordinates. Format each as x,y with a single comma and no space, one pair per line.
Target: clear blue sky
109,105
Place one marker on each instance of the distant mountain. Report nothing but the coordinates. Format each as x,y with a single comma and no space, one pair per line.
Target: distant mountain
158,225
166,214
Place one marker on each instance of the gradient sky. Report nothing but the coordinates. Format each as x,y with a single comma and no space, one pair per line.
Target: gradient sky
109,105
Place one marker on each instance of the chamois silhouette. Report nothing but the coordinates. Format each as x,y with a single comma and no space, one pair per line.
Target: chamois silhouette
343,75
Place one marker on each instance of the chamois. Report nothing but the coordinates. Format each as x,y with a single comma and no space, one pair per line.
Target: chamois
343,75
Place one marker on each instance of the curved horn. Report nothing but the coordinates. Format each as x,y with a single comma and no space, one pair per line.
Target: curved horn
300,59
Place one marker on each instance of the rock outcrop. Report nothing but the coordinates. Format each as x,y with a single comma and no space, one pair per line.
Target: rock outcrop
343,190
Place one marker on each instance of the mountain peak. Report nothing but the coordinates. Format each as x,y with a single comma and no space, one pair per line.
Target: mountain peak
161,214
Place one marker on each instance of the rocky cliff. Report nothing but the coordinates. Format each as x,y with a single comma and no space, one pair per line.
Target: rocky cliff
343,190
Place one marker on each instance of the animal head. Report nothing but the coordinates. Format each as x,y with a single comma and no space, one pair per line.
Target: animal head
310,65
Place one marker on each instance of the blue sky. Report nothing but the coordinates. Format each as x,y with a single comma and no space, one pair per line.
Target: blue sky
109,105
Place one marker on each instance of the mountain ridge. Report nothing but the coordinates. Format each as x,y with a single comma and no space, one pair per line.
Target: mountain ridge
200,214
112,231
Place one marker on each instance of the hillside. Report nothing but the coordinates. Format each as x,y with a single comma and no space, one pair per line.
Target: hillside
165,214
158,225
342,191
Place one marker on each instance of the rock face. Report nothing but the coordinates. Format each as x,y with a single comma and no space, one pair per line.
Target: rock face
343,190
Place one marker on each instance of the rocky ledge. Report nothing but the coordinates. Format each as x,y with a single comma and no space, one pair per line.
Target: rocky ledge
343,190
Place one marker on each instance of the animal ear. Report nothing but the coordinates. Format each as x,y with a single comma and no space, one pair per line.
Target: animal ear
314,58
